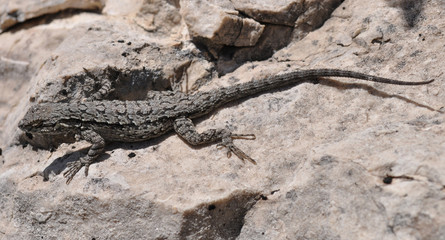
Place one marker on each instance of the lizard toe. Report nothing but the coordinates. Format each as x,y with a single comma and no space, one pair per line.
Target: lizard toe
73,168
227,142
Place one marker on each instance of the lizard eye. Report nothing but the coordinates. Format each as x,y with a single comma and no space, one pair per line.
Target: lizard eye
29,135
37,123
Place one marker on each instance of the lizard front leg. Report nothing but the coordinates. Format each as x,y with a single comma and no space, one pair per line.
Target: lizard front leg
106,85
185,128
97,147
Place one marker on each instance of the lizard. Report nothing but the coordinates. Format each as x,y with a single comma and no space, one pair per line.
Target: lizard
101,121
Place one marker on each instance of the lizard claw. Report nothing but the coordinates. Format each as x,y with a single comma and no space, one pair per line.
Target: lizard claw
73,168
227,142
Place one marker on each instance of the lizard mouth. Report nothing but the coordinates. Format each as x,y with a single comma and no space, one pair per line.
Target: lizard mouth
22,125
29,126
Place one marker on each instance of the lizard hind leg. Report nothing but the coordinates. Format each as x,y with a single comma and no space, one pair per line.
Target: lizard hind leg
97,147
106,85
185,128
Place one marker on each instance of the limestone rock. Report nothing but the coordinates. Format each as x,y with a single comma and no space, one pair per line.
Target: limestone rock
238,31
336,159
219,23
282,12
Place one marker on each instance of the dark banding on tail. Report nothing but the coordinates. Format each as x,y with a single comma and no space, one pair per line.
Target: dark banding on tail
357,75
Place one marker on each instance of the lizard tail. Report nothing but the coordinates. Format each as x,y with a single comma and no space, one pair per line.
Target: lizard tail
349,74
293,78
224,95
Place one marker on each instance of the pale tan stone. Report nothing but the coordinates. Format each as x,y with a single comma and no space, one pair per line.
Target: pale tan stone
218,22
336,160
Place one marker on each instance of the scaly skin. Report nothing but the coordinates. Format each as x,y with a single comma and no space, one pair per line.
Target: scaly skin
131,121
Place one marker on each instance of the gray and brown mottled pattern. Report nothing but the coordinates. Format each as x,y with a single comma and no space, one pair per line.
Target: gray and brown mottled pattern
132,121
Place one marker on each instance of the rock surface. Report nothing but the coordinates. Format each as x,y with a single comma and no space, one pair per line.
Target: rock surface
340,159
235,32
14,12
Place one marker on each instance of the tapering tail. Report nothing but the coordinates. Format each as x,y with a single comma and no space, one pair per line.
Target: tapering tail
221,96
293,78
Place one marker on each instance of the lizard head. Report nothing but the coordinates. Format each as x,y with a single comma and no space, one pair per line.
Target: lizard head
43,118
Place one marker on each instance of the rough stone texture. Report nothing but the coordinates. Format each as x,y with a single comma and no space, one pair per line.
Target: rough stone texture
336,160
155,16
276,12
238,31
14,12
220,23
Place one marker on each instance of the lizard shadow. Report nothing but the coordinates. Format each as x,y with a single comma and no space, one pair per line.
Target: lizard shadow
58,165
371,90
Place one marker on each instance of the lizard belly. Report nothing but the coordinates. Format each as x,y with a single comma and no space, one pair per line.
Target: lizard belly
131,133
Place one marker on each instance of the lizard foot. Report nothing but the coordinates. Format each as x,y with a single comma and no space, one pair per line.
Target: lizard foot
73,168
227,142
